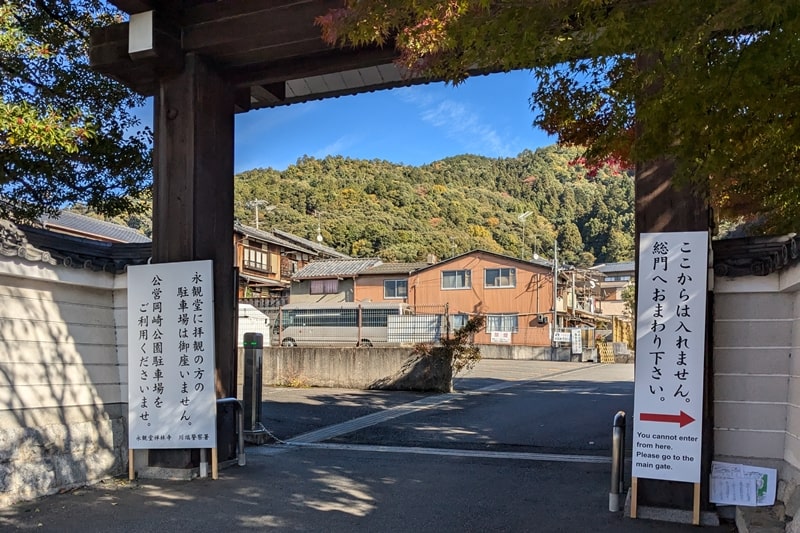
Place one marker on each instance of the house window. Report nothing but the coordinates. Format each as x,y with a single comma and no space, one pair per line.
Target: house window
257,259
458,321
500,277
395,288
456,279
324,286
504,322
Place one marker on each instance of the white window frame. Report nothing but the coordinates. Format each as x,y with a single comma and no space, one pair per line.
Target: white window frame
458,321
511,275
502,322
466,274
396,283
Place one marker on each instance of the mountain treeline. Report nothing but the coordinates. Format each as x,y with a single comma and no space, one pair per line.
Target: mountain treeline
404,213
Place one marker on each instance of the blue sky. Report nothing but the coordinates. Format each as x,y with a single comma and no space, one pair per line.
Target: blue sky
486,115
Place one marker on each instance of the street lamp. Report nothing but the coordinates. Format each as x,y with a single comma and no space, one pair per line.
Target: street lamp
319,227
522,218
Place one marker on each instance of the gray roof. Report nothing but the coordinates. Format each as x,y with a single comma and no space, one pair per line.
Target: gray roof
535,262
91,254
613,268
394,268
317,247
92,228
271,238
336,268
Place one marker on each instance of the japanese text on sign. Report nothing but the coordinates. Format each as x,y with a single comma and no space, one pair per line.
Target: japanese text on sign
171,396
670,346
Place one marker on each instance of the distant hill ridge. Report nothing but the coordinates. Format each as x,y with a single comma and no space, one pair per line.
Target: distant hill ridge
404,213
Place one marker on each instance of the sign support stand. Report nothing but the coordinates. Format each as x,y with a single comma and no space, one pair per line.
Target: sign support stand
695,503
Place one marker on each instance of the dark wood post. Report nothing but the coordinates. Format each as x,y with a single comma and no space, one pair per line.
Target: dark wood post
193,199
662,207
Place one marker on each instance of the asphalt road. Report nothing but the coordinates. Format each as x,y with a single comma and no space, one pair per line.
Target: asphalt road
520,447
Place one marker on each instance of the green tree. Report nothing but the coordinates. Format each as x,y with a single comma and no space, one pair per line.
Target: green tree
714,84
67,134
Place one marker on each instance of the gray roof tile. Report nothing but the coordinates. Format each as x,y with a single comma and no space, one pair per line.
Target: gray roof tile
394,268
92,228
333,268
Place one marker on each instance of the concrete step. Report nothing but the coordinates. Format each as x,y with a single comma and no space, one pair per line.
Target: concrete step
759,520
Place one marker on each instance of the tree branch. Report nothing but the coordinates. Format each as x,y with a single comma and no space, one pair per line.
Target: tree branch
65,22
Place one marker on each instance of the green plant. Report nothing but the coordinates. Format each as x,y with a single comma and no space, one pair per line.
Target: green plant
460,349
295,380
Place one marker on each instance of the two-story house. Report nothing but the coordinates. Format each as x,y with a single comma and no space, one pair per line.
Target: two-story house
330,281
616,278
514,295
385,282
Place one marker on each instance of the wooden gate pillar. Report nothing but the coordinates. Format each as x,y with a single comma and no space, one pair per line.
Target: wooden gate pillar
663,207
193,195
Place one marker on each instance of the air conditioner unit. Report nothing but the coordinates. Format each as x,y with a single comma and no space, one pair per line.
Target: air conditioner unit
541,319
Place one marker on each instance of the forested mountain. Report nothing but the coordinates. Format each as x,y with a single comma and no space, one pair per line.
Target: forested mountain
403,213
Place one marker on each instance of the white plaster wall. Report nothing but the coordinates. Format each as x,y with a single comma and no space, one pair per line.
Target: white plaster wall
756,369
62,394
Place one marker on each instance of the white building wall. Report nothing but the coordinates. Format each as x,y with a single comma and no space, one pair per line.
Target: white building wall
62,393
756,370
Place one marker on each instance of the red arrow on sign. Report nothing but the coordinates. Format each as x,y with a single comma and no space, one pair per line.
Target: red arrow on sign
683,419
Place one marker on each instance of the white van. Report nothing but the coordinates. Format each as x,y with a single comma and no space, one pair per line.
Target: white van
251,320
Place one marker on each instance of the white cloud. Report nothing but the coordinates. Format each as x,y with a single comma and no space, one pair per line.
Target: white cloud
458,121
336,147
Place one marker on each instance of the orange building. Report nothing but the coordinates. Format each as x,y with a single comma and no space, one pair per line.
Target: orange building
515,296
385,282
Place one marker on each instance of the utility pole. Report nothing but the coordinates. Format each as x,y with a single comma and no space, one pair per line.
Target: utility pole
522,218
555,290
253,204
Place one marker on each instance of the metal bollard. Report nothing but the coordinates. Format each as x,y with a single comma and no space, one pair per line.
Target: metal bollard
617,462
237,405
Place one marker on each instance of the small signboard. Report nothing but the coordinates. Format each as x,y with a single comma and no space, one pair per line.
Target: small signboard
670,351
562,336
501,337
171,396
577,341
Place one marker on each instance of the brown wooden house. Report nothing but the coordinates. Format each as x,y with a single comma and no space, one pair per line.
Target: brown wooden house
268,260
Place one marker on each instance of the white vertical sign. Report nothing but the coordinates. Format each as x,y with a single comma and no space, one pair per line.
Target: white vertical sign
670,353
577,341
171,396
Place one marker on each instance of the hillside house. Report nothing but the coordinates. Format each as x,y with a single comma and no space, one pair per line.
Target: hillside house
386,282
330,281
616,278
516,296
266,265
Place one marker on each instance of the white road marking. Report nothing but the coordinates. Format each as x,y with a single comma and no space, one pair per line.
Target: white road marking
314,439
478,454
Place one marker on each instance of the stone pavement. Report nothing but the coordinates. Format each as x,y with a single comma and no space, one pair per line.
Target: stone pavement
316,485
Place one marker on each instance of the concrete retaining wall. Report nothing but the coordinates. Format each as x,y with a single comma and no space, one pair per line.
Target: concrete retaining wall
532,353
356,368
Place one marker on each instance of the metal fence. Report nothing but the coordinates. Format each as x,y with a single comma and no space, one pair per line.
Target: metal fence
359,324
